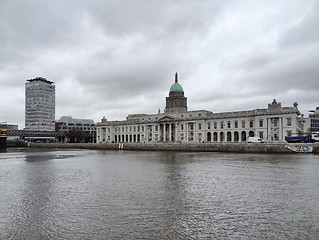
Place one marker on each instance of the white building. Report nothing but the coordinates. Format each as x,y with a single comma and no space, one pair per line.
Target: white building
177,124
39,105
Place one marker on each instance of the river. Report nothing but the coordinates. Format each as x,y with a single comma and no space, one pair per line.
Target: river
95,194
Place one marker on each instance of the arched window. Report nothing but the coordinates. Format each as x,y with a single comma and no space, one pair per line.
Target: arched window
243,136
222,137
236,136
215,137
228,136
209,137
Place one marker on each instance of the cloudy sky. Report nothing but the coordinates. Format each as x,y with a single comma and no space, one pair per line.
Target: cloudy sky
116,57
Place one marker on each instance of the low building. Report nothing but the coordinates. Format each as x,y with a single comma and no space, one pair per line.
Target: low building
177,124
77,130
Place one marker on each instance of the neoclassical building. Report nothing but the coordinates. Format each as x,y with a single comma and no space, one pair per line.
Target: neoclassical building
177,124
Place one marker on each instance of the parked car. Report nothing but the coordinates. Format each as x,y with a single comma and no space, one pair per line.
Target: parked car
255,140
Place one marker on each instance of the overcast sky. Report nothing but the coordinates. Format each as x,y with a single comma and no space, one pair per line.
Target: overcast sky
114,58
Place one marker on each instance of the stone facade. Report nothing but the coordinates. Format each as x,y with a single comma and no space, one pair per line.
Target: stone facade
177,124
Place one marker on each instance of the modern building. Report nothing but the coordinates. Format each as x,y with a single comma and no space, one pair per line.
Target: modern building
77,130
39,105
177,124
314,120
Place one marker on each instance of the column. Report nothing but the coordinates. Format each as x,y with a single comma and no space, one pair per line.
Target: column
280,128
268,128
186,128
176,137
170,132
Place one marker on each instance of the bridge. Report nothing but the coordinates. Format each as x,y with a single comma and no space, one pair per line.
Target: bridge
34,134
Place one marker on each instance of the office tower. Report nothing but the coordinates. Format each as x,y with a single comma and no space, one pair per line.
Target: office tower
39,105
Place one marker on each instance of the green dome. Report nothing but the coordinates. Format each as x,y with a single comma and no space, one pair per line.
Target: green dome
176,87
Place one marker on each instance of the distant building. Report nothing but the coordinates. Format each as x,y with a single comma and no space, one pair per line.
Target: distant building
5,126
39,105
314,120
78,130
177,124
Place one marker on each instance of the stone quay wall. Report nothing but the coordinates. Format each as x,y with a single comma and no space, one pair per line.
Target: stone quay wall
185,147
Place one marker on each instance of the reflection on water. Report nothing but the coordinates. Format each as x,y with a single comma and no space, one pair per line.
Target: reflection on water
83,194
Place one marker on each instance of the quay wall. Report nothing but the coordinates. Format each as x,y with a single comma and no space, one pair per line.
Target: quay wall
185,147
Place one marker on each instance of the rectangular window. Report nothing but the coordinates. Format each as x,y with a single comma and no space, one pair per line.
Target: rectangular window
156,128
182,127
199,126
191,126
288,121
221,125
228,124
215,125
251,124
261,135
236,124
208,125
275,123
142,128
243,125
261,123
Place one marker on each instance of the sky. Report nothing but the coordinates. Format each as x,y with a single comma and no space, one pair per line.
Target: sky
114,58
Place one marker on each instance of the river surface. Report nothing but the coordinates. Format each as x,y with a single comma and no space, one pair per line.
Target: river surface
94,194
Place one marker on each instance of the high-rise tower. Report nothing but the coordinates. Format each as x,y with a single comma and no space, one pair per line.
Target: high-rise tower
39,105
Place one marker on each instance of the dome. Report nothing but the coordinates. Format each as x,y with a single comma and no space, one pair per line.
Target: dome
176,87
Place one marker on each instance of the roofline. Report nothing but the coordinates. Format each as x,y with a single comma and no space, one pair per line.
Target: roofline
40,79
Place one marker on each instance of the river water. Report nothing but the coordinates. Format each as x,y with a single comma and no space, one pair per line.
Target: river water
94,194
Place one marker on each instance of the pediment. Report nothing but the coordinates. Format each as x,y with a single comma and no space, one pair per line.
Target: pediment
167,119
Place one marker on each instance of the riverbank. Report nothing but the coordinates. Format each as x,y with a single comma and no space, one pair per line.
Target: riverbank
191,147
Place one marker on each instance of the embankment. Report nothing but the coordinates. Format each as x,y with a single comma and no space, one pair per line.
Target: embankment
185,147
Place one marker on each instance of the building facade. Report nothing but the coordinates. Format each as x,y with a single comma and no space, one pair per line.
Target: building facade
77,130
39,105
314,120
177,124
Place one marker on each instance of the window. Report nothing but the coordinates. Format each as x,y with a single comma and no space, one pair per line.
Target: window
142,128
215,125
261,135
288,121
236,124
221,125
261,123
182,127
199,114
228,124
243,125
191,126
251,124
275,122
199,126
156,128
208,125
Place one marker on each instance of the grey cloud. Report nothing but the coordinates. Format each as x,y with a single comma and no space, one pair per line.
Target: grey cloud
303,32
